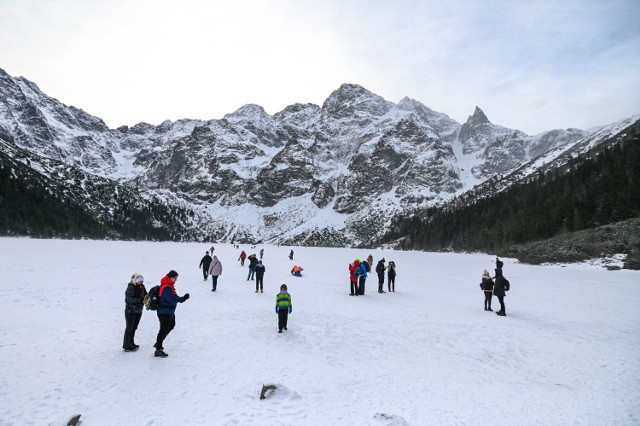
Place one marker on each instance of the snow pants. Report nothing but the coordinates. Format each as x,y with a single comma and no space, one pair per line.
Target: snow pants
391,283
259,281
167,323
487,299
205,272
283,316
501,300
132,321
380,282
361,285
354,287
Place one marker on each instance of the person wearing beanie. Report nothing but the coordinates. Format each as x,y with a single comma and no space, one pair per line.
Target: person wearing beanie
498,288
134,302
204,264
283,307
168,299
353,277
487,287
215,270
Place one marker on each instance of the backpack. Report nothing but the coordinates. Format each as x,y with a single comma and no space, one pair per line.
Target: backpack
507,286
152,299
358,271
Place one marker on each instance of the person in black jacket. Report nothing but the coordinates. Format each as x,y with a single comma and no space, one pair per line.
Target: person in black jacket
391,276
380,268
134,302
498,289
205,263
253,261
487,287
260,270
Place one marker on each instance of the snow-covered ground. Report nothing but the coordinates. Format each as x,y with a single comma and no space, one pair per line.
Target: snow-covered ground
568,353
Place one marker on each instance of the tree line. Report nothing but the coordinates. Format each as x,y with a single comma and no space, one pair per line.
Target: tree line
600,188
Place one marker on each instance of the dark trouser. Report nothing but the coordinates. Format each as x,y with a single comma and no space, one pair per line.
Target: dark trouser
380,282
361,285
252,272
241,262
130,331
501,300
214,282
354,287
283,316
205,272
391,282
167,323
487,299
259,280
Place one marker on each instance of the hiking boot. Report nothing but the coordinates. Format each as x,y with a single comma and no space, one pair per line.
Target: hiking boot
285,328
161,354
502,314
279,331
130,349
489,309
136,346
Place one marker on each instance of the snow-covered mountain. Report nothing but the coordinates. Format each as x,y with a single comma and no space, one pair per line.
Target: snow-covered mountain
328,175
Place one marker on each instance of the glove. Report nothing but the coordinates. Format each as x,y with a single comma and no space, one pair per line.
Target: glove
290,309
185,297
276,309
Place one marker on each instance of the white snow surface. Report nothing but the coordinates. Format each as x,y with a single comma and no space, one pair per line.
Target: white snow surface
428,354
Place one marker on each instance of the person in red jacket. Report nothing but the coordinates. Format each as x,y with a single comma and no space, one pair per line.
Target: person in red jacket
353,279
168,299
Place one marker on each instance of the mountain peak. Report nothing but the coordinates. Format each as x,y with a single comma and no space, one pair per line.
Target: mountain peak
350,97
478,118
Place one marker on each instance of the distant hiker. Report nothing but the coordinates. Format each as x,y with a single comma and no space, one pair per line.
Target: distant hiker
291,255
283,307
215,270
498,288
487,287
168,300
362,271
211,250
204,264
242,257
353,278
391,276
134,302
253,261
370,262
296,271
380,268
260,270
261,253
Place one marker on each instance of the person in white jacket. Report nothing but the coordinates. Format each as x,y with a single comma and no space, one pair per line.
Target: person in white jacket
215,270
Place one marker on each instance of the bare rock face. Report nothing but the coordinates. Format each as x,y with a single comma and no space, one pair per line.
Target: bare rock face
339,171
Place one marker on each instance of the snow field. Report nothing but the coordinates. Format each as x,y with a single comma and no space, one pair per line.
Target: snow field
567,353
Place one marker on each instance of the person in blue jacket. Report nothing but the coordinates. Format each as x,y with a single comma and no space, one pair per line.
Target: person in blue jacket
364,268
168,299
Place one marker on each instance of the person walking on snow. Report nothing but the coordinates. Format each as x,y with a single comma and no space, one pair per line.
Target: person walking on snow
283,307
380,268
242,257
168,299
134,302
261,253
260,270
215,270
204,264
487,287
291,255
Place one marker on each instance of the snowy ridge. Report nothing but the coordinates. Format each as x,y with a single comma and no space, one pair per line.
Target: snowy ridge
347,166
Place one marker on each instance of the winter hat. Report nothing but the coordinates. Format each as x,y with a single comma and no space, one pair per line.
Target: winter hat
283,287
485,274
172,274
139,279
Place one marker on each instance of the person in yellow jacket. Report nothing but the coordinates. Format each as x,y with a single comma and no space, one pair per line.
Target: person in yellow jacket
283,307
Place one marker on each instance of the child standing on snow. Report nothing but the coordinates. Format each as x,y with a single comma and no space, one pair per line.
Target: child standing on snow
283,307
487,286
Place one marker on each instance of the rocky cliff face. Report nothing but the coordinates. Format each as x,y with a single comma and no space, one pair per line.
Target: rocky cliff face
333,174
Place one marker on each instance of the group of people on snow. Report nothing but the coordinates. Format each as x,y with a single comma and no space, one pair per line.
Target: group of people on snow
358,271
494,288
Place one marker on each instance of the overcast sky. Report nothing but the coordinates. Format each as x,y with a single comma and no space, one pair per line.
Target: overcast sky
530,65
